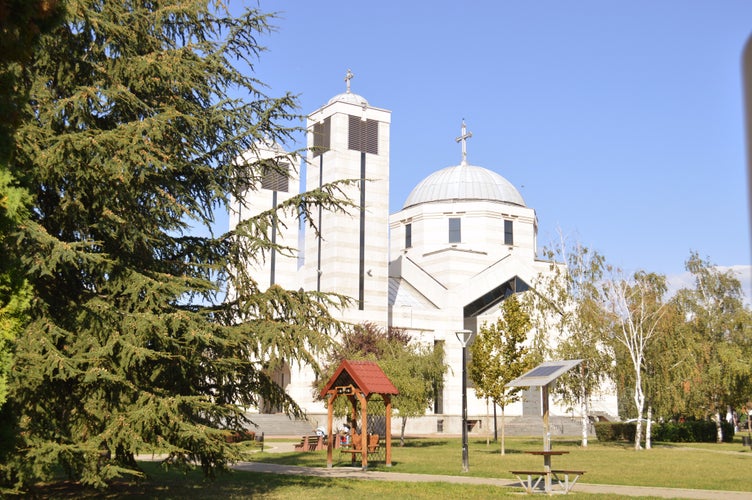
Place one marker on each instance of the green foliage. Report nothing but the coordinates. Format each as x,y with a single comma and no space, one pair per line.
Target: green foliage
635,308
690,431
614,431
566,305
499,354
22,24
718,329
414,369
138,333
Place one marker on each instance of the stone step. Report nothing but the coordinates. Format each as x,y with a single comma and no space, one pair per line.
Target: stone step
279,424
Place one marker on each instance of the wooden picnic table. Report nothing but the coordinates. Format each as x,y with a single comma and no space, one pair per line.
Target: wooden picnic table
547,473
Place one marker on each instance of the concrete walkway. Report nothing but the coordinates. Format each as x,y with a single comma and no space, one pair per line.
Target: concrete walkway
357,473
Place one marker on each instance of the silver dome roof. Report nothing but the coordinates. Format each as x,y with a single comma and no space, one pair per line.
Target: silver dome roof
464,182
350,98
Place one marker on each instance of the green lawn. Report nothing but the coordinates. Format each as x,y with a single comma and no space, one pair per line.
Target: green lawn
726,466
702,466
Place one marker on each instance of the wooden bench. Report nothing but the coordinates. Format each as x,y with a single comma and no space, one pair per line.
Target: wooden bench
534,477
357,449
310,443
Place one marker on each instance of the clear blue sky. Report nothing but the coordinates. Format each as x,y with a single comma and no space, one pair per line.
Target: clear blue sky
620,122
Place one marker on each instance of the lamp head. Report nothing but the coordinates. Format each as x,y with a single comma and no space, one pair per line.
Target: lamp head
465,337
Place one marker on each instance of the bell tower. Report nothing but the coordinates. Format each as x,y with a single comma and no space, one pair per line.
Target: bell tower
349,139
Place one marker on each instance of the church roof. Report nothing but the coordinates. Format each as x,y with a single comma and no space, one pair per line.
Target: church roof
464,182
350,98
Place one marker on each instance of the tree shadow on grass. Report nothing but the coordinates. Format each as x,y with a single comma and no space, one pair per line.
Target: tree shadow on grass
177,484
424,443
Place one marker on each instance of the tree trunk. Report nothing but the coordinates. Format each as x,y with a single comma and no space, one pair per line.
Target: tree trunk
639,399
488,427
496,424
718,428
584,411
502,430
402,432
649,428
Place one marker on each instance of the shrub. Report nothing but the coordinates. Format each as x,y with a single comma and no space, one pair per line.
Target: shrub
615,431
604,431
690,431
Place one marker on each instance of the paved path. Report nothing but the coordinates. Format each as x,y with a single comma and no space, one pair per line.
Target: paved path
357,473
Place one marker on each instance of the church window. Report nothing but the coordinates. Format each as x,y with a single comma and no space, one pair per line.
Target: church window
322,136
363,135
455,230
508,232
408,235
276,177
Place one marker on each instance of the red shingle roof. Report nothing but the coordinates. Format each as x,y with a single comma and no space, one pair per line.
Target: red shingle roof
367,376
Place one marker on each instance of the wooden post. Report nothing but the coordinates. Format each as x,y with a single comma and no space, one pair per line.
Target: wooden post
388,431
330,442
363,429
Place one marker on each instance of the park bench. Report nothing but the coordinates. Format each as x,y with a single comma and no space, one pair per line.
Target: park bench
310,443
372,447
532,478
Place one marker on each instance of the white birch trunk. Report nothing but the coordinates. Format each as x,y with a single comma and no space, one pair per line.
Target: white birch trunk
639,399
718,428
584,412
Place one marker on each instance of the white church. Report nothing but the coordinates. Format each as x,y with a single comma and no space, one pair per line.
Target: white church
463,240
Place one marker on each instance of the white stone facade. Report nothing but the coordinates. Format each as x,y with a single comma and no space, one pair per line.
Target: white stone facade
443,262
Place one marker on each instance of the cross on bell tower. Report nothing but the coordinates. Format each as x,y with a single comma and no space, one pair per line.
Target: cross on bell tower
463,139
349,76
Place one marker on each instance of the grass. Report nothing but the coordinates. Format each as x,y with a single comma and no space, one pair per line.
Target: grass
725,466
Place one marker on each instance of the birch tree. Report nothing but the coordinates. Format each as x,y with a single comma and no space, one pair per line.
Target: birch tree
635,307
565,306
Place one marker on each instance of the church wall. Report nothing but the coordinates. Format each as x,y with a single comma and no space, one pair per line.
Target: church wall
482,237
257,200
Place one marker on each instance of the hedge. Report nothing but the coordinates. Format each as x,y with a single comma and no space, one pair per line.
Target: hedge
690,431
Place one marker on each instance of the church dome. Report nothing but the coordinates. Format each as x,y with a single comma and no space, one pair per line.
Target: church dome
464,182
349,98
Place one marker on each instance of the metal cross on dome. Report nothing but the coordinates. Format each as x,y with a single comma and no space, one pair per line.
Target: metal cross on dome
349,76
463,139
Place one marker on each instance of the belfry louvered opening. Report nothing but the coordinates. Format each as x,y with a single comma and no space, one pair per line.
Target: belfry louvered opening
276,177
363,135
322,136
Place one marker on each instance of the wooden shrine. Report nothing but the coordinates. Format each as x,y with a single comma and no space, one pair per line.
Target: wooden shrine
358,381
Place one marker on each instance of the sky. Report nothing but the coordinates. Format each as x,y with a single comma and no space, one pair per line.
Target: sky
621,123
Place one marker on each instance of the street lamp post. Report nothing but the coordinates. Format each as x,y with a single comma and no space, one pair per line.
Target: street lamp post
464,336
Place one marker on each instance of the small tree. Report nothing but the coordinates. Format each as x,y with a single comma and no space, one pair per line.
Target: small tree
414,369
499,356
